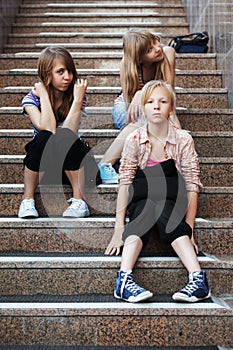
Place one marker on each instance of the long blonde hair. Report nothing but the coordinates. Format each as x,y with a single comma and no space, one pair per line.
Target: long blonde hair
136,43
45,66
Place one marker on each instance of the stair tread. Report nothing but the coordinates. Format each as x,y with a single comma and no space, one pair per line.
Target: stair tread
109,347
99,221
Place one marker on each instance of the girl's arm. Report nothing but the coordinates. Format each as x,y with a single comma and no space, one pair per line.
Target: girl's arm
73,118
43,119
191,214
116,242
170,70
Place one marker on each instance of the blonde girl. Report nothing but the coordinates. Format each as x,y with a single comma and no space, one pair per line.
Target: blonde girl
145,59
158,187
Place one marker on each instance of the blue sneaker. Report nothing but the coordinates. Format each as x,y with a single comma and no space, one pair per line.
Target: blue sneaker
128,290
108,174
197,288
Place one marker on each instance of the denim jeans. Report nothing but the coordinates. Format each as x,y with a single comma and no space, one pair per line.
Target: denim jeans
119,115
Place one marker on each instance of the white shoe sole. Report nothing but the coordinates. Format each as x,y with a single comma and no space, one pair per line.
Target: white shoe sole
73,215
140,297
181,298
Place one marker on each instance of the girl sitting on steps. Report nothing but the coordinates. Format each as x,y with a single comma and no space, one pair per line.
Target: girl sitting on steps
145,59
158,185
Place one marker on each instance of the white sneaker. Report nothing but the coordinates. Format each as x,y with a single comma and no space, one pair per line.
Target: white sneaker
77,209
27,209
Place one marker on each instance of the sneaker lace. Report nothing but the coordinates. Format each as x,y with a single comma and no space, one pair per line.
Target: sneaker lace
129,283
193,284
109,169
28,205
75,203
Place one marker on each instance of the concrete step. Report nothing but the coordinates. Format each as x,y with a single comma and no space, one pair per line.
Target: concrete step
49,26
51,347
215,171
106,60
100,118
108,16
207,144
110,77
71,44
130,7
103,2
90,235
83,323
51,201
75,347
105,96
75,274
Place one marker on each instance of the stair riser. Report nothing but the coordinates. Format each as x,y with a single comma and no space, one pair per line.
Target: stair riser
193,122
99,280
106,98
172,10
95,79
211,174
165,29
104,204
76,239
88,329
120,2
214,146
103,62
162,18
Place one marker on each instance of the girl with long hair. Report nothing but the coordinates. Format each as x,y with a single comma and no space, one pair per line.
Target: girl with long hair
144,59
55,105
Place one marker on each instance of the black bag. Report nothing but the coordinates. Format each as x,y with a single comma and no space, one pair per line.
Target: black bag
191,43
91,170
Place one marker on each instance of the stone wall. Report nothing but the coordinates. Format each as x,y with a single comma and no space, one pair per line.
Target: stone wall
8,9
215,16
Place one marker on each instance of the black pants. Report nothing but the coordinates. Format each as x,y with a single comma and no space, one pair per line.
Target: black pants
158,201
53,154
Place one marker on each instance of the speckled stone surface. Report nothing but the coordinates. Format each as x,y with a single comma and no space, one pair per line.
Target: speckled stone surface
214,171
100,117
188,98
106,60
186,79
68,275
104,329
93,234
52,201
207,144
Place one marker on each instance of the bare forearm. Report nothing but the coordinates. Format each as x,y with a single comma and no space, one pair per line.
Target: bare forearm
47,118
122,201
73,118
192,208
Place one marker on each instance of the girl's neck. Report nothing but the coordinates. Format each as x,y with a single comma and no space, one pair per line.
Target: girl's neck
158,131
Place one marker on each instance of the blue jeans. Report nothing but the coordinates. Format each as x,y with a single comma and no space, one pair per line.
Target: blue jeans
119,115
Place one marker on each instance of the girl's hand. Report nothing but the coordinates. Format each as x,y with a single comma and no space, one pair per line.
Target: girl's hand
38,89
194,245
133,113
79,91
116,243
135,110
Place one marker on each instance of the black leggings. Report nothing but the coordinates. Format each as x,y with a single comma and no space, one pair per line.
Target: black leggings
158,202
53,154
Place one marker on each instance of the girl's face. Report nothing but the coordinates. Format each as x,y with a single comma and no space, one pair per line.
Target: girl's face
158,106
154,53
61,76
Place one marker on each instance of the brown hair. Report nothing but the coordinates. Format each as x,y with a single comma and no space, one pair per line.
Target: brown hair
45,66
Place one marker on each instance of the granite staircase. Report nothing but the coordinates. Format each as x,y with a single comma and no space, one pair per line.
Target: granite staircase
56,283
